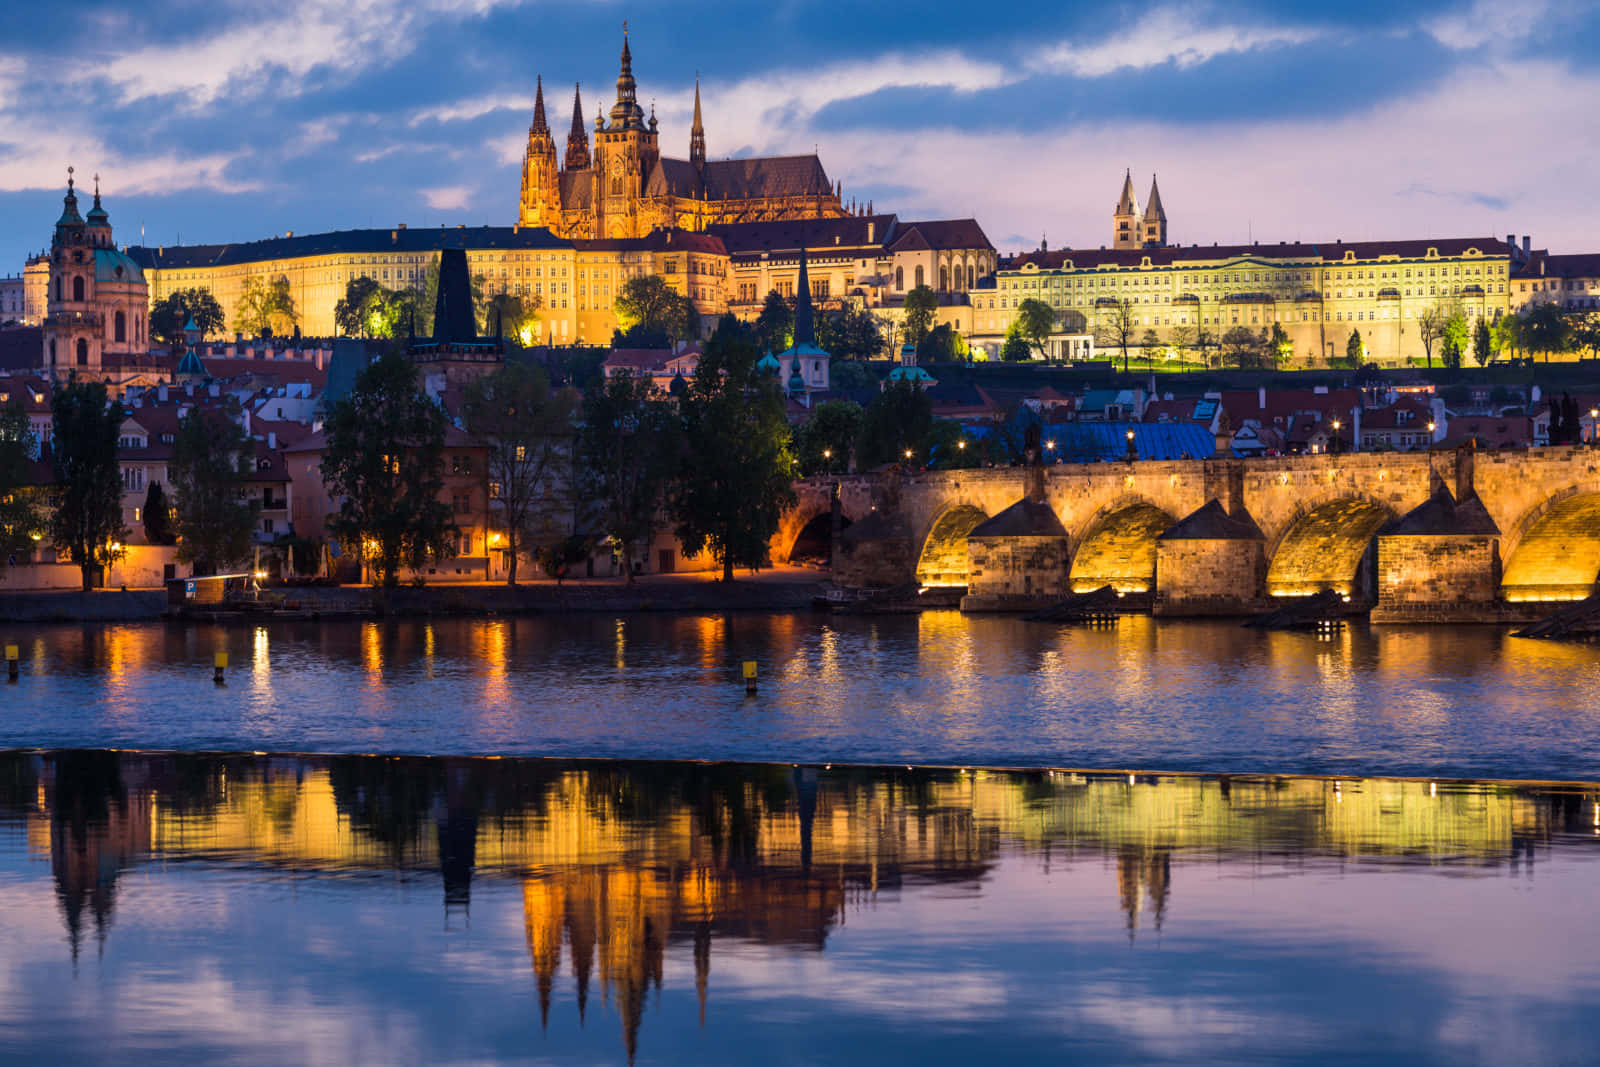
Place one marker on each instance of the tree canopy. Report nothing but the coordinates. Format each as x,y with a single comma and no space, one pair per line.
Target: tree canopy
848,332
898,420
87,520
628,453
385,459
265,310
1482,342
211,462
1116,328
652,314
170,314
825,442
19,518
922,304
774,327
1035,322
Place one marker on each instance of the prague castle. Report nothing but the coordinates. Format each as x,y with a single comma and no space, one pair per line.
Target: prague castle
624,187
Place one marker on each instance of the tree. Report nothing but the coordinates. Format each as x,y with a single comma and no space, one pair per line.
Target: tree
1015,349
1183,338
651,313
1204,341
170,314
627,455
1279,347
1508,333
921,305
212,460
1242,346
1151,344
852,375
1354,350
528,429
823,444
385,458
738,478
1482,343
1545,329
157,513
849,332
88,492
512,317
1116,328
775,324
1430,328
898,420
264,310
19,519
350,313
1585,334
1035,322
942,345
1455,338
949,448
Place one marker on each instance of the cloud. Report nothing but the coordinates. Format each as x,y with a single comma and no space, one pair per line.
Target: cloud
447,197
1175,35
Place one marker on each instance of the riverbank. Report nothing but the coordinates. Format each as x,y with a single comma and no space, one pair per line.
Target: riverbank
779,589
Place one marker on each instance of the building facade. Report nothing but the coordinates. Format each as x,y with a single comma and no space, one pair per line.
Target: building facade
96,311
624,187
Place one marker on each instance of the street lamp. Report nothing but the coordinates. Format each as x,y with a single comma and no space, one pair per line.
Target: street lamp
1335,445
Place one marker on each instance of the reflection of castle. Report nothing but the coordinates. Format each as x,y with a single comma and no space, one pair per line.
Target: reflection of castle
618,863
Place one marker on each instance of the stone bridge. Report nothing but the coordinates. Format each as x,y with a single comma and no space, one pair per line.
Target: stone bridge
1425,535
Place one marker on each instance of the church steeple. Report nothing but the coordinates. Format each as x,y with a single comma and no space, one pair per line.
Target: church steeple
578,138
804,329
541,194
1127,225
1155,218
539,125
697,132
626,113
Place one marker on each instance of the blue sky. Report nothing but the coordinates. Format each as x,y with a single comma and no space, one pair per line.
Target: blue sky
231,120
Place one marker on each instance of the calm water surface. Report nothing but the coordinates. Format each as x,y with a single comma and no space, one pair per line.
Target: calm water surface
185,908
1469,702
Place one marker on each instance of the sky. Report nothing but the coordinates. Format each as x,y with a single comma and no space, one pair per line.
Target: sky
233,120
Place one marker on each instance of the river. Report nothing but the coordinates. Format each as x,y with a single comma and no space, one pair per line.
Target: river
934,689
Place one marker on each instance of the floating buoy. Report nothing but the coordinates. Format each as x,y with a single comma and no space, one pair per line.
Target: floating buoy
11,662
220,665
749,676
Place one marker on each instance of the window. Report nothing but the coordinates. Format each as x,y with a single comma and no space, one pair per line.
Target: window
83,352
121,331
77,287
900,279
461,503
919,277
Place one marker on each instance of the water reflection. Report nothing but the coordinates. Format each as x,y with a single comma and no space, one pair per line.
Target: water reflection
638,878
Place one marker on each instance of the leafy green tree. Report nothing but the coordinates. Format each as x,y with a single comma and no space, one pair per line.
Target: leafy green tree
528,429
628,453
851,374
1035,322
738,478
1205,339
1585,334
1182,339
897,421
385,459
87,521
1545,330
1508,334
1116,328
1279,347
170,314
1482,343
265,310
943,345
824,442
513,316
651,313
212,460
1430,327
351,311
848,332
1354,350
922,304
949,447
1015,349
775,324
1454,340
19,518
157,514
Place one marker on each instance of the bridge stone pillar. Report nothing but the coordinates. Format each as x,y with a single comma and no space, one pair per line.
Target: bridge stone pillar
1441,562
1211,563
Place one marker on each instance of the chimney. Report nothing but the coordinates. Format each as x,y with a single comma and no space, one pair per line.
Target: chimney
1511,239
272,440
1261,397
1527,244
402,226
871,226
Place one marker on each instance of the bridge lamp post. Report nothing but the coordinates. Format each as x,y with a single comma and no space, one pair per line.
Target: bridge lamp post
1594,420
1334,447
1050,446
827,458
1430,432
1132,454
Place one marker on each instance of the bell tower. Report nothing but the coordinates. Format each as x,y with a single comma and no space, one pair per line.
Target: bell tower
1127,230
541,188
1155,219
625,149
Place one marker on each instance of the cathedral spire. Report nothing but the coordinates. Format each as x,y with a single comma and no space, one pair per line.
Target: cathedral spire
697,132
1152,207
1128,204
626,113
578,138
539,125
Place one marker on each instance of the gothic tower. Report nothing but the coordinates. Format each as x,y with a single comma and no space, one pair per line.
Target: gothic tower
578,138
697,133
541,189
625,151
1155,219
1128,225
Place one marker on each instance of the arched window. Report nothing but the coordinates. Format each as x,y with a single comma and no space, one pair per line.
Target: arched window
83,352
944,279
919,278
53,343
972,280
77,287
900,279
58,287
121,333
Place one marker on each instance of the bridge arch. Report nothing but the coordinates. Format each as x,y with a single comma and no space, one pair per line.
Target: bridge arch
942,560
1554,550
1117,547
1328,544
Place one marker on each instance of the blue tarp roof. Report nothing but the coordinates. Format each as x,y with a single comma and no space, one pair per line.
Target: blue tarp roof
1096,442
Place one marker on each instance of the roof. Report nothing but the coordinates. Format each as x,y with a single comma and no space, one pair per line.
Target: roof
113,266
944,234
1282,404
1444,515
577,189
1026,518
1403,414
791,235
659,240
1089,442
644,359
765,178
1581,265
1321,252
1213,523
343,241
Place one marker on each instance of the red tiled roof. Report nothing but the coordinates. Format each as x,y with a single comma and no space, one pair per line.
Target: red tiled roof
1324,252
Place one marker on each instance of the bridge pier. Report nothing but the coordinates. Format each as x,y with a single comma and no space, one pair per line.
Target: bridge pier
1211,563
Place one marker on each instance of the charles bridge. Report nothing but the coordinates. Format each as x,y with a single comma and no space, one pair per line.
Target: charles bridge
1423,536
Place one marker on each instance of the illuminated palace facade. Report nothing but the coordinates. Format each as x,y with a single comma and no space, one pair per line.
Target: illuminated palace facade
1318,292
624,186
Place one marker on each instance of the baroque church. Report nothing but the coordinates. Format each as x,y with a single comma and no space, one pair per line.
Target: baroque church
624,187
97,307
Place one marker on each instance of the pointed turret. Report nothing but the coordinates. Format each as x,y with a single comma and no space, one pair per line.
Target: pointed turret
539,127
541,192
1127,226
1152,208
1128,204
626,114
697,132
578,138
69,208
1155,218
804,330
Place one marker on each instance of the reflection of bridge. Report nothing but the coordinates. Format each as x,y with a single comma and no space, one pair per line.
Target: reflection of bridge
1417,535
618,863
